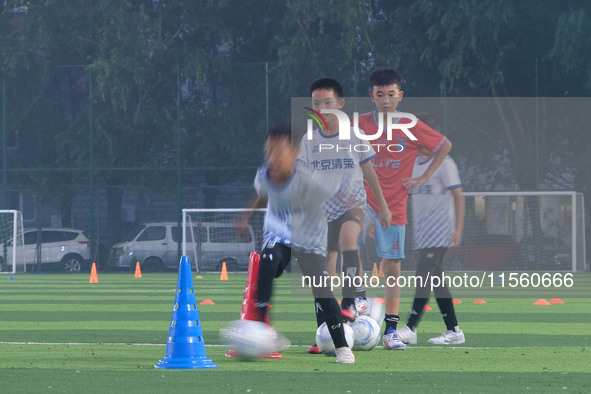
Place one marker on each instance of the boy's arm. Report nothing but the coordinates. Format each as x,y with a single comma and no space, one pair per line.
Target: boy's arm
435,163
241,222
460,209
372,179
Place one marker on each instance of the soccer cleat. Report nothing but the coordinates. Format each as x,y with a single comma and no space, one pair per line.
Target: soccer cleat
362,306
345,355
449,338
314,349
391,341
407,335
349,314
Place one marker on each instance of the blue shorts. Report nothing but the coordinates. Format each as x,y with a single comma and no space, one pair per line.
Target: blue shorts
390,241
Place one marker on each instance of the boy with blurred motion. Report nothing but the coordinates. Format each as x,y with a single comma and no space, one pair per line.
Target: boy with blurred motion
394,169
438,220
295,225
330,156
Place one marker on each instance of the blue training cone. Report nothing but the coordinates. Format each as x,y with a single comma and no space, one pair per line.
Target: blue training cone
185,348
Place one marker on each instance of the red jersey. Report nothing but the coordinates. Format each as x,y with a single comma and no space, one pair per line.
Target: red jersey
393,163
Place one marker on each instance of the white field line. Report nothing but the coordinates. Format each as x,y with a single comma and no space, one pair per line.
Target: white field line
293,346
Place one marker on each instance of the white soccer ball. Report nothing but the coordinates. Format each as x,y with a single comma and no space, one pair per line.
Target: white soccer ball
250,338
324,340
367,333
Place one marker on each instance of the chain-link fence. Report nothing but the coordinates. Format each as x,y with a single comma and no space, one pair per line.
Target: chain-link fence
76,153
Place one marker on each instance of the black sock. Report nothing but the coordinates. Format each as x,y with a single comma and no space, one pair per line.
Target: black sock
351,270
334,320
267,268
391,321
320,316
448,312
416,312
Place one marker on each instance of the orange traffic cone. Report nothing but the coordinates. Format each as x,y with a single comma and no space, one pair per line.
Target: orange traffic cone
224,275
249,311
138,271
93,275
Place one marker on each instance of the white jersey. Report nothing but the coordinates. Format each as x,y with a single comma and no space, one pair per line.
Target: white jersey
433,210
331,156
294,214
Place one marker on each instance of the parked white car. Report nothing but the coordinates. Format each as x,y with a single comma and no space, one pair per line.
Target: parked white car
67,249
156,247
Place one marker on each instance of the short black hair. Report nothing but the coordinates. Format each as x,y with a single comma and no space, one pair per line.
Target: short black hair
327,83
280,130
385,77
283,130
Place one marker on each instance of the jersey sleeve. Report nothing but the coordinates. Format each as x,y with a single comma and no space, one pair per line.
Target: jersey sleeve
366,153
427,137
259,184
303,154
450,174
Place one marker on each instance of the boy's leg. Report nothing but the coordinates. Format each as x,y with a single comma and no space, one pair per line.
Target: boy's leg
349,244
390,247
452,335
273,262
425,268
443,296
392,294
332,262
314,266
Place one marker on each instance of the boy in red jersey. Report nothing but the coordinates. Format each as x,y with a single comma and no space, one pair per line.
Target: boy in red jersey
394,170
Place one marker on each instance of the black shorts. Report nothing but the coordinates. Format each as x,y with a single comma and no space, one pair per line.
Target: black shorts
334,228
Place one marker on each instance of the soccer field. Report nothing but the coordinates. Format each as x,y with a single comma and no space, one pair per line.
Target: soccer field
58,333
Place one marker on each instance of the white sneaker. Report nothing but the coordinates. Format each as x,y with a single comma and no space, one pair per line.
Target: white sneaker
407,335
449,338
362,306
390,341
345,355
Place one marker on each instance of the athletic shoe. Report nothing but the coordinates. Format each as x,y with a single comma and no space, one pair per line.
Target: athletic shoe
349,314
362,306
314,349
407,335
280,342
391,342
449,338
345,355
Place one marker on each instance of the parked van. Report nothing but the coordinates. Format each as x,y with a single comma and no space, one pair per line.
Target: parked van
156,247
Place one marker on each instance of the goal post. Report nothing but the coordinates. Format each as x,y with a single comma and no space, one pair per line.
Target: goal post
12,246
516,231
211,237
503,231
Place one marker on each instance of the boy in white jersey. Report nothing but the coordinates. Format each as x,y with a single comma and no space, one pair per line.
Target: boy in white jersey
329,155
295,225
438,218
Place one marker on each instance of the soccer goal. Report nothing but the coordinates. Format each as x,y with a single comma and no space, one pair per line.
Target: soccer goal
212,237
12,248
516,231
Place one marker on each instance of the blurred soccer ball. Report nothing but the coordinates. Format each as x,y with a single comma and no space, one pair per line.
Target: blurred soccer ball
250,338
324,340
367,333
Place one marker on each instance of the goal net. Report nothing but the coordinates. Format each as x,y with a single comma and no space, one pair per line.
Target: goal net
503,231
212,237
12,249
518,231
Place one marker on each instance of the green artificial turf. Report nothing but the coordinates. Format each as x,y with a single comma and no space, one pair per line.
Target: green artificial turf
58,333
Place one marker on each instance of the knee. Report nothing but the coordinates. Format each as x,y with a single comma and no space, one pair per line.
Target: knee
391,267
